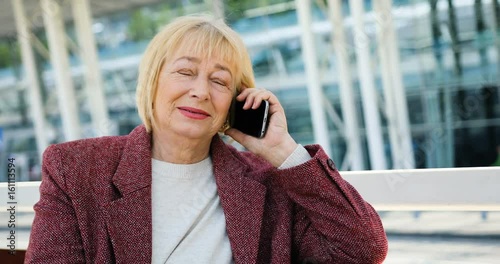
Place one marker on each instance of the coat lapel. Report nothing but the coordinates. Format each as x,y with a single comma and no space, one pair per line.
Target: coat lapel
242,200
128,218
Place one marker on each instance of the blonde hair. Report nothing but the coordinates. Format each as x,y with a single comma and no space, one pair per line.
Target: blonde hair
206,36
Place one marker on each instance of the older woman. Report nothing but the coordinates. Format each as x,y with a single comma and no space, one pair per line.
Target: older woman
173,192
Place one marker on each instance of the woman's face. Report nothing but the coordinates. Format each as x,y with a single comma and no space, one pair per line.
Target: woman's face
194,95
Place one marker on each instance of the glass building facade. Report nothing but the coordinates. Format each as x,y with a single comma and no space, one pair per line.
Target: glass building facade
448,59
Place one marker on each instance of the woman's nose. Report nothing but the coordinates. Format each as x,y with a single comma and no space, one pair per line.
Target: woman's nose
200,89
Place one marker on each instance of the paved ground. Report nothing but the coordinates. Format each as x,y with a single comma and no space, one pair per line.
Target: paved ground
432,237
417,250
465,224
442,237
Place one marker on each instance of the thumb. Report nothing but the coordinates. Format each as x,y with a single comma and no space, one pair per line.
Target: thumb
242,138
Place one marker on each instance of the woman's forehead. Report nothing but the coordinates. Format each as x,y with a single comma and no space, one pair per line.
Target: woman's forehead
193,54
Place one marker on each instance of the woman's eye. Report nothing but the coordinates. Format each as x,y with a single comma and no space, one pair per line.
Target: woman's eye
185,72
219,82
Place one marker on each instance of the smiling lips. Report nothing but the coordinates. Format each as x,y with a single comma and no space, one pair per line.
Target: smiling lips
193,113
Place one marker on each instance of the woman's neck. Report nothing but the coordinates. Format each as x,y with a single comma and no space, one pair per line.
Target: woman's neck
179,150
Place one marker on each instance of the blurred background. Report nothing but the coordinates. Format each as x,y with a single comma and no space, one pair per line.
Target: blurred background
398,84
435,103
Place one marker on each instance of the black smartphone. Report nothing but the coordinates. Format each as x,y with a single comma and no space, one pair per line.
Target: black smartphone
252,122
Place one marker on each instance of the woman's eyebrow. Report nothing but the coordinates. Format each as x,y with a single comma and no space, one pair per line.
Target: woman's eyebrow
223,68
197,60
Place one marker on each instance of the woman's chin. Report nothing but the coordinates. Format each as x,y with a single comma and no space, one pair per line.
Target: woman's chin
196,133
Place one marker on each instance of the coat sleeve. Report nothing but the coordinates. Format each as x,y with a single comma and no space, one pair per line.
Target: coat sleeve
55,236
332,222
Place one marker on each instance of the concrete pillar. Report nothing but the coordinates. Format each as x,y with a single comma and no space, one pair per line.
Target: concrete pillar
28,59
54,26
434,146
217,7
314,88
396,103
496,24
280,63
348,102
93,78
369,95
389,106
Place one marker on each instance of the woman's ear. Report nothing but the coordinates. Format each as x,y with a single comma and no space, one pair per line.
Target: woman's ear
225,126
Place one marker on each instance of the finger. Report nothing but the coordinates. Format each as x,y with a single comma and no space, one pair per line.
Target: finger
259,97
243,93
244,97
250,95
255,97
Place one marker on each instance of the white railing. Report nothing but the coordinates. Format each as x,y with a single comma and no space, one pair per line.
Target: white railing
464,189
451,189
454,189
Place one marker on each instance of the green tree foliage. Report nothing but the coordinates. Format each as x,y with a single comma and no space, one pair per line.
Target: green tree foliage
235,9
4,55
9,54
141,26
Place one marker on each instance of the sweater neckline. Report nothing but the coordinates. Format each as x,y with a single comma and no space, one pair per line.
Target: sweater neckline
182,171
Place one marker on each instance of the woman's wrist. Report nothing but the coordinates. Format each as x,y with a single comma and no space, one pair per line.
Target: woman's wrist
278,154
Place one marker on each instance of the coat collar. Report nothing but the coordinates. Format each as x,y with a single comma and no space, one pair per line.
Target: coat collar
134,170
129,217
242,200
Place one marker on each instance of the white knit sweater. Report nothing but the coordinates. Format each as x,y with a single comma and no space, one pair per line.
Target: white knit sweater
188,220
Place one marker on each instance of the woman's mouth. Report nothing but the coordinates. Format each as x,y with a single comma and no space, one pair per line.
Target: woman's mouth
193,113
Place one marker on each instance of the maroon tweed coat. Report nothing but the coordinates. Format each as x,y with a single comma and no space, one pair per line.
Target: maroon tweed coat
95,207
